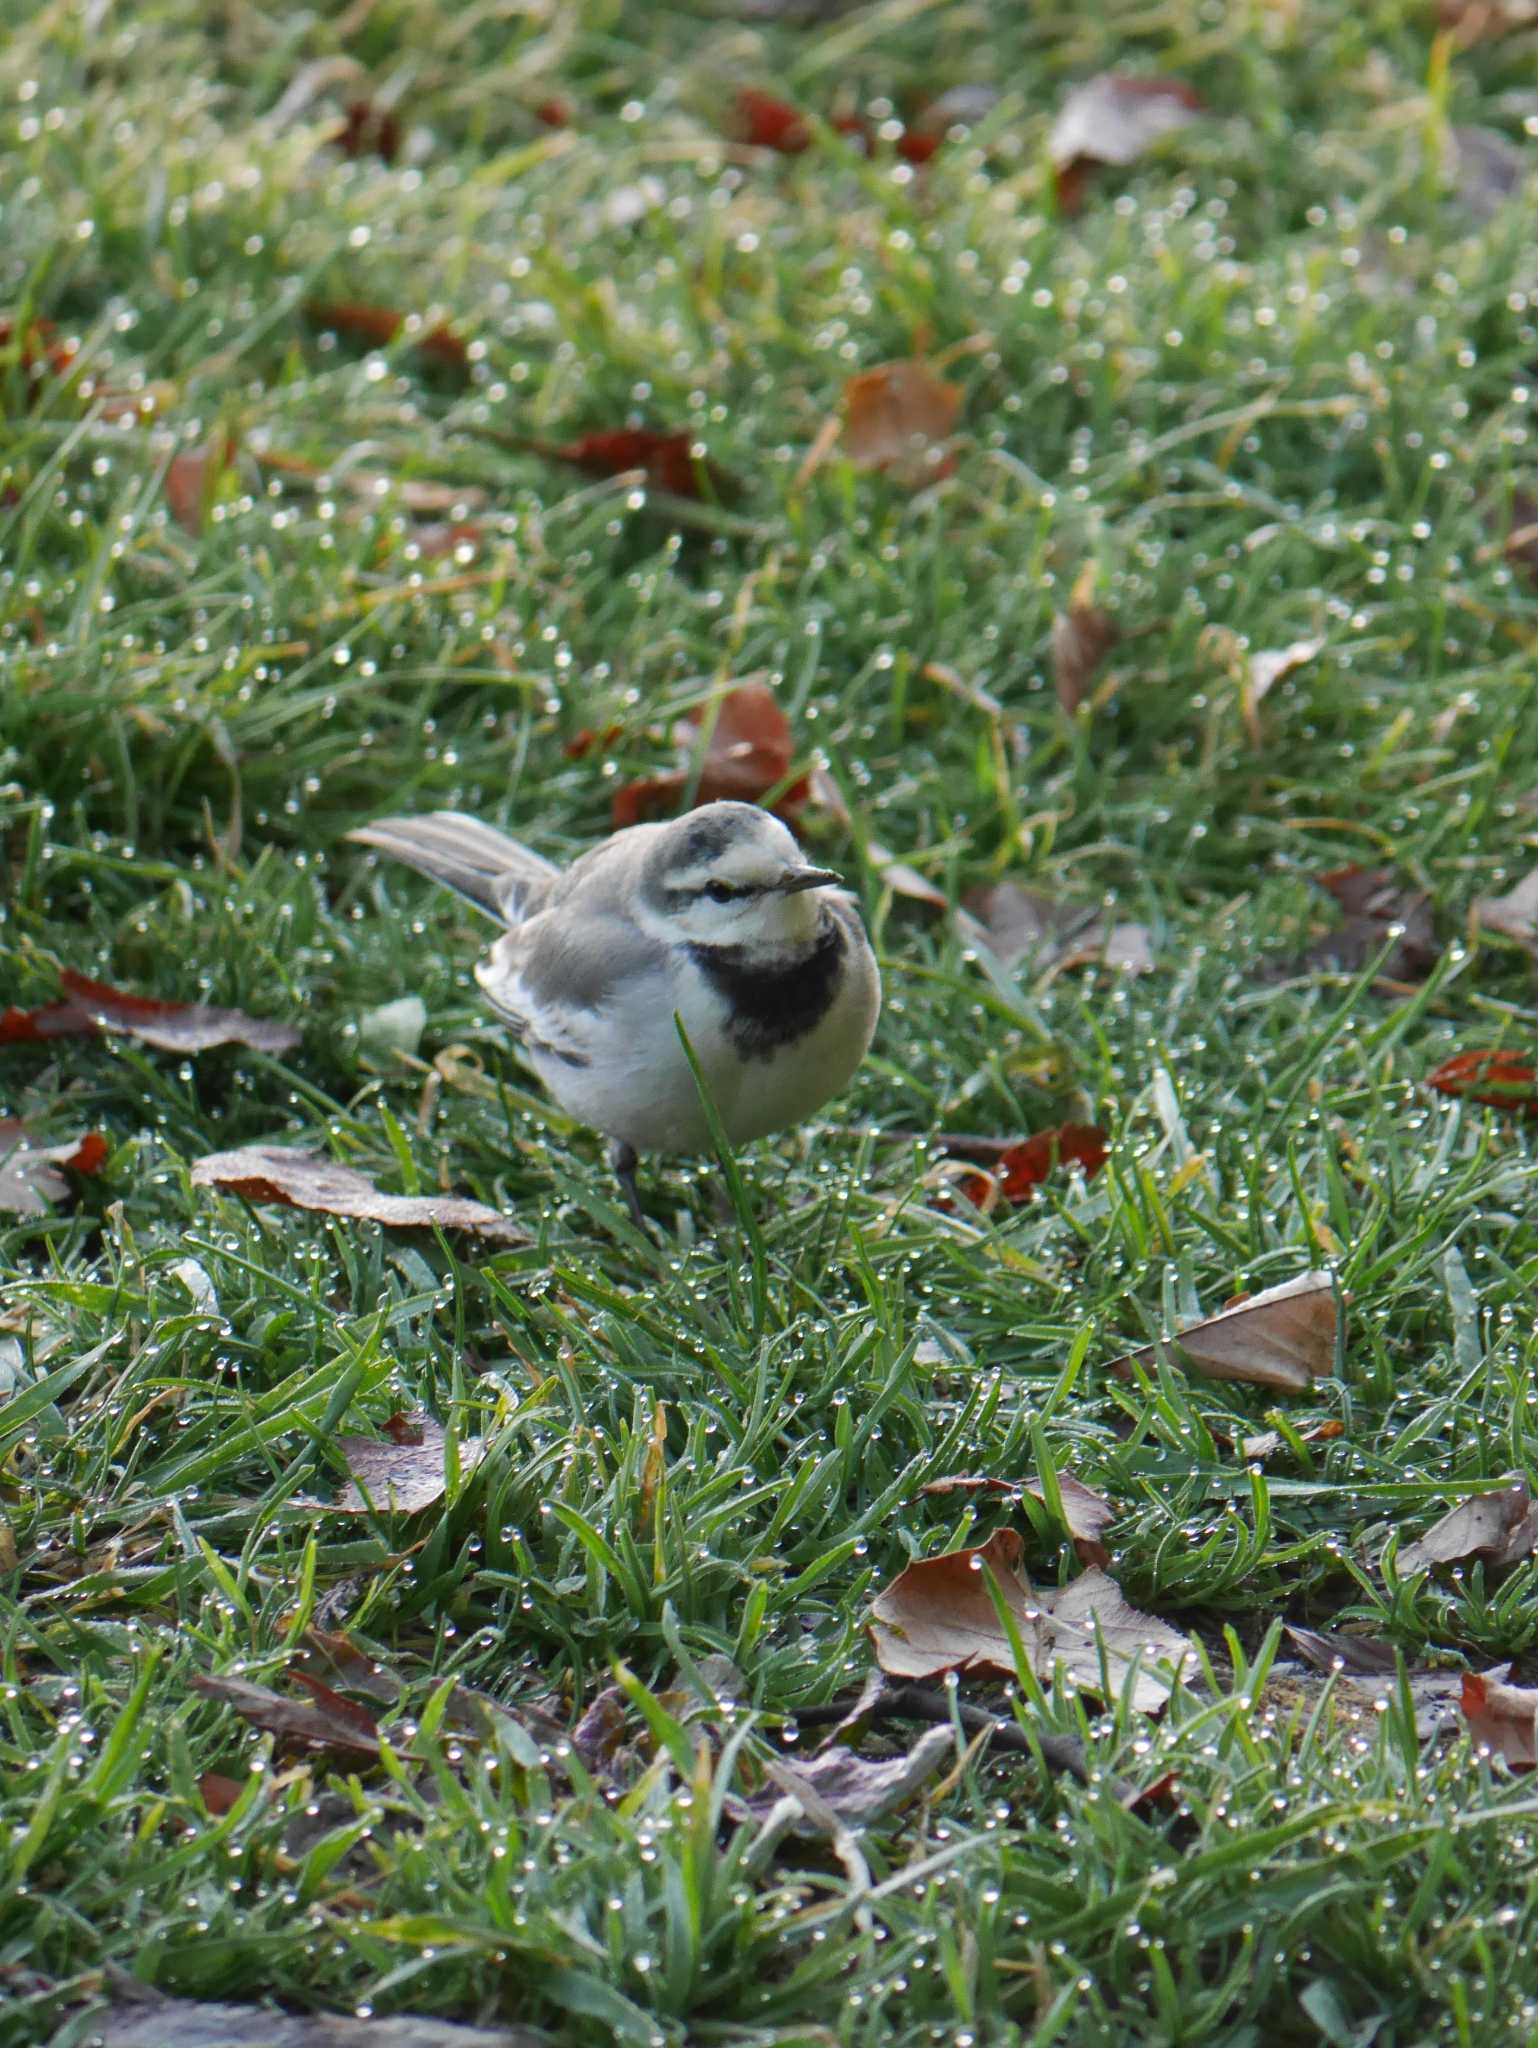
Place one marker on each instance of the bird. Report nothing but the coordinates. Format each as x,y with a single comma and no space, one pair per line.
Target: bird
712,920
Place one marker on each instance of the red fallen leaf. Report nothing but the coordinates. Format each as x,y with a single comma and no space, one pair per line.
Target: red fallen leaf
1023,1167
39,353
93,1007
29,1175
665,456
379,326
584,742
897,420
1499,1078
218,1793
1502,1717
553,113
749,752
401,1428
1113,119
368,131
193,477
303,1180
763,122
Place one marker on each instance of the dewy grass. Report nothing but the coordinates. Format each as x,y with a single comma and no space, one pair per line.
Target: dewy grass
1274,383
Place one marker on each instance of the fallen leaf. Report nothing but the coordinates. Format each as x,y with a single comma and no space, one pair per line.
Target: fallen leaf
937,1615
1113,119
764,122
904,880
599,1736
748,753
898,418
1514,915
369,130
1271,1440
393,1027
30,1179
305,1180
1086,1514
139,2017
1082,637
839,1786
553,113
36,351
1499,1078
1358,1656
1267,669
1381,910
1499,1527
218,1793
589,741
193,478
380,326
670,460
403,1475
1284,1337
1021,1168
324,1721
1502,1718
92,1007
1015,922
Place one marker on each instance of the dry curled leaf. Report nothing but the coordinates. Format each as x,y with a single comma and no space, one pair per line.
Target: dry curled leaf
139,2017
904,880
1021,1168
1381,911
1514,915
324,1721
898,419
1082,637
938,1615
1498,1078
1113,119
1499,1527
1086,1514
1283,1337
30,1177
404,1474
1017,923
305,1180
748,752
1502,1718
1265,670
91,1007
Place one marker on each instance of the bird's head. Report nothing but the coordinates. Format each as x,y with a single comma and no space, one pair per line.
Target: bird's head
730,874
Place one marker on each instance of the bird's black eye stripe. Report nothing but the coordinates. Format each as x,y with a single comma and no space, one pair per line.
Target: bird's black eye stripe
723,892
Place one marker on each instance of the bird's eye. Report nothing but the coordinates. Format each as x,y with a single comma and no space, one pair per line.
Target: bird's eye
719,892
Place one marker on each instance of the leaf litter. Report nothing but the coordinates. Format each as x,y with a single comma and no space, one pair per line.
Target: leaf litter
305,1180
748,752
1082,636
93,1007
1113,119
139,2017
1015,923
401,1474
1499,1527
898,420
1514,915
31,1179
938,1615
1284,1337
1382,914
1021,1166
1500,1079
1085,1514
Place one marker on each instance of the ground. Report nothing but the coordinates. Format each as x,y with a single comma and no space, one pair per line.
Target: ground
1269,384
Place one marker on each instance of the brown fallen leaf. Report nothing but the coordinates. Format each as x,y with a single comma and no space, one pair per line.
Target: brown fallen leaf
748,753
30,1180
1021,1168
1380,910
937,1615
898,419
1082,637
305,1180
193,478
1283,1337
1499,1527
91,1007
1266,669
380,326
1086,1514
1514,915
324,1721
839,1789
400,1476
1015,923
1500,1078
1502,1718
369,129
1370,1668
904,880
1113,119
218,1793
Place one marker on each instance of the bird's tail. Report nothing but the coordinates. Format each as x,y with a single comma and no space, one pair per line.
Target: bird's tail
494,872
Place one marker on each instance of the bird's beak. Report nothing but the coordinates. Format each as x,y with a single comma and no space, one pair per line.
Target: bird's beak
806,878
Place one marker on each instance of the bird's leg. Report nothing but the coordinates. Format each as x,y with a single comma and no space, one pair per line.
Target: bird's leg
624,1159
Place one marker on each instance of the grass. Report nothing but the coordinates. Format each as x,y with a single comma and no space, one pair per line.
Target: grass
1267,384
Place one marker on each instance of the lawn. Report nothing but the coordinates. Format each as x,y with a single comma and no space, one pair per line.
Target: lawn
287,542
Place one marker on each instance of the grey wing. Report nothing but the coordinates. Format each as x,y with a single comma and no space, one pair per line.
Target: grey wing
564,983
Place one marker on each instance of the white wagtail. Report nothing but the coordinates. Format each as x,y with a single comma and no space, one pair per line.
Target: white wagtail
714,919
